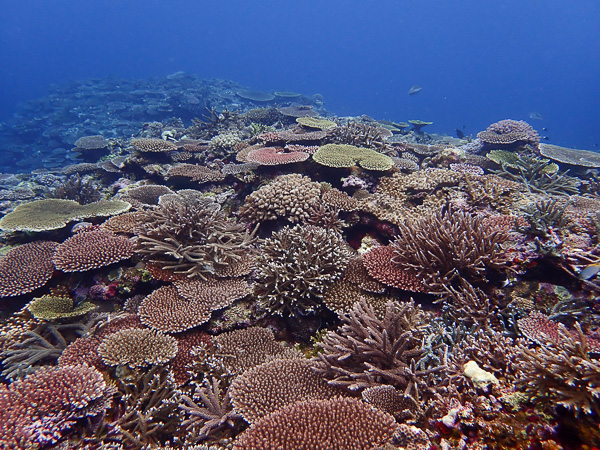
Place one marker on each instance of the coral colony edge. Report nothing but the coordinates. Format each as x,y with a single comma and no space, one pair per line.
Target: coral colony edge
201,266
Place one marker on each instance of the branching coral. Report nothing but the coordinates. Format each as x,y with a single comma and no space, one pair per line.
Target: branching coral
536,174
564,374
209,412
193,240
295,267
444,247
370,351
147,409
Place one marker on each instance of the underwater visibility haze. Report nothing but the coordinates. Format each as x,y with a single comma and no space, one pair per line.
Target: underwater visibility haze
286,225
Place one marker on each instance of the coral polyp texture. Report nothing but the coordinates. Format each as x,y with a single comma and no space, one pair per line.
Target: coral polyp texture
295,267
216,267
50,214
25,268
137,348
321,424
90,250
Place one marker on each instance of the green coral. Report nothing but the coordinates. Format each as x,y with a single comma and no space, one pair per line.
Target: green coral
342,155
53,213
50,307
537,174
316,122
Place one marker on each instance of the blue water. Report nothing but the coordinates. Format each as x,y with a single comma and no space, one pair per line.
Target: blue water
477,61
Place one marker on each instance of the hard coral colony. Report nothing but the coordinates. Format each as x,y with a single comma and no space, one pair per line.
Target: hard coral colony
277,277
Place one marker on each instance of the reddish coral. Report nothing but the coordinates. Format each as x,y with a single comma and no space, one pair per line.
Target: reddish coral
90,250
274,156
26,268
378,262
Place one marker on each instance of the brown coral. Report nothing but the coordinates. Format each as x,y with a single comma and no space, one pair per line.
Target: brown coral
26,268
272,385
445,246
379,265
90,250
137,348
153,145
343,423
195,172
289,196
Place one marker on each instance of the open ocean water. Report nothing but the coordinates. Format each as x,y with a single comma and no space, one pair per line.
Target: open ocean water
285,225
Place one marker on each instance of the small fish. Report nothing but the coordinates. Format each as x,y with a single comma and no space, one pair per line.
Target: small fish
544,129
546,138
535,116
589,272
414,90
459,133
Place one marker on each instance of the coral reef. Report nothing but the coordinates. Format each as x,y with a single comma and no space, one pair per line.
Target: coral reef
200,272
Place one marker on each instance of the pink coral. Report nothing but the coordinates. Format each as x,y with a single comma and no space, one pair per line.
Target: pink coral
274,156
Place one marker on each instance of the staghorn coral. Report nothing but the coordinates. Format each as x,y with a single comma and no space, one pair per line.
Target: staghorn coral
25,268
194,240
272,385
342,423
295,267
39,409
137,348
89,250
359,135
444,247
50,307
82,190
147,402
215,415
289,196
536,174
341,155
370,351
51,214
34,347
563,374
